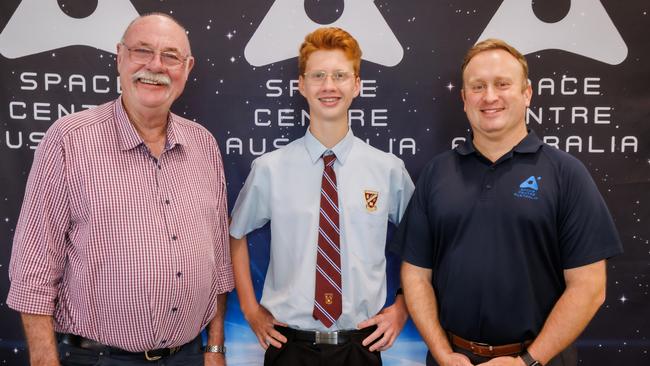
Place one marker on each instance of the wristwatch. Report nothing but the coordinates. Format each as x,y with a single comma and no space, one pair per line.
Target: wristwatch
529,360
218,348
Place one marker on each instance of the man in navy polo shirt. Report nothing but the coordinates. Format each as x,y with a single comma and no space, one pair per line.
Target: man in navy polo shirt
505,239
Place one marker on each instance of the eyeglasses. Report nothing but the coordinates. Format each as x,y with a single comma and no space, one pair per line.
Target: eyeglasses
143,55
338,77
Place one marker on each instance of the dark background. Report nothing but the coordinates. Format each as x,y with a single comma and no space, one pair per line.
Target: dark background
421,96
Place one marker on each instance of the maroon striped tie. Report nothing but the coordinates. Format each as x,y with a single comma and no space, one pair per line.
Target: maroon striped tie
327,301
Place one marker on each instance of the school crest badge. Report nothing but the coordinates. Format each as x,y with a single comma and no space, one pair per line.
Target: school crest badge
371,198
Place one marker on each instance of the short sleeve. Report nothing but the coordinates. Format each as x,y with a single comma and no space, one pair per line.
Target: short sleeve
402,189
251,210
413,240
586,230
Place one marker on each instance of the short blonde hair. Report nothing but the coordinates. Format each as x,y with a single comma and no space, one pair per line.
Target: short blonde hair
495,44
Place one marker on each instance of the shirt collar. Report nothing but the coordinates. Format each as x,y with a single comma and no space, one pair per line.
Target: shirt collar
316,149
530,144
175,134
128,137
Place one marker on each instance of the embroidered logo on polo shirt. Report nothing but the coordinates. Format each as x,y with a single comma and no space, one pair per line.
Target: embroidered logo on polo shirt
529,188
371,198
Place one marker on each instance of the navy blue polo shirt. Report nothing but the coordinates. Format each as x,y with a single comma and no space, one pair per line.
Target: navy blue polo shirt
499,235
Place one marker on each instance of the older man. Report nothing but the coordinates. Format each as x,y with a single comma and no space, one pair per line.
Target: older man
505,240
121,252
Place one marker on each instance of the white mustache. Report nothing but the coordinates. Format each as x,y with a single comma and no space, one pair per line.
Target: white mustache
155,77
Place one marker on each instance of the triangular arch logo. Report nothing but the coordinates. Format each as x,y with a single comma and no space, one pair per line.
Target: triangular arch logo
586,30
529,188
40,25
285,25
531,183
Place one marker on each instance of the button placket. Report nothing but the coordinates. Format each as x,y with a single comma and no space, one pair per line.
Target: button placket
488,184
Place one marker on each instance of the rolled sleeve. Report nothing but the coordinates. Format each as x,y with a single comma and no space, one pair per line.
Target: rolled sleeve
225,276
31,299
38,252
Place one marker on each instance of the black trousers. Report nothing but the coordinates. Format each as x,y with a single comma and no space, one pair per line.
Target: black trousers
303,353
568,357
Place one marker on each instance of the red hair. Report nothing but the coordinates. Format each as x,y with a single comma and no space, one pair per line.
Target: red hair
330,38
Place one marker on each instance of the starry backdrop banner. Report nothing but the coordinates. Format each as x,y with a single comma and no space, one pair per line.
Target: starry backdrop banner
588,68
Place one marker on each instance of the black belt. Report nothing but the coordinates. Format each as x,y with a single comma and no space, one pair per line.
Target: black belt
89,344
335,338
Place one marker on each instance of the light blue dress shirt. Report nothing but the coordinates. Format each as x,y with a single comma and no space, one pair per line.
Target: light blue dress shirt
284,187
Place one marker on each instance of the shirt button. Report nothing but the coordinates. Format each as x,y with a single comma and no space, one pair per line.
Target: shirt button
178,274
158,166
488,186
174,237
174,310
163,342
166,202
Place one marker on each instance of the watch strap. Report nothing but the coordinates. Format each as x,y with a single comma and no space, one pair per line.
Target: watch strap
529,360
215,348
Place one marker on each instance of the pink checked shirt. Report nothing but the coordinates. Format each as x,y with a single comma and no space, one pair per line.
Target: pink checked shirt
120,247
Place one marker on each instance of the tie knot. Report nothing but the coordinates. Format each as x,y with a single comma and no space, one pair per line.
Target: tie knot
329,159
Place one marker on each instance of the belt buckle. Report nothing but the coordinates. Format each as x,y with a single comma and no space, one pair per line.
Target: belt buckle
174,350
151,358
484,345
326,337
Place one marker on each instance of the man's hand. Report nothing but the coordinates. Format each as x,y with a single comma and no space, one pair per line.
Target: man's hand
261,322
505,361
214,359
389,322
455,359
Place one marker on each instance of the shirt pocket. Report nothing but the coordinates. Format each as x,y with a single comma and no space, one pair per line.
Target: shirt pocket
366,234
